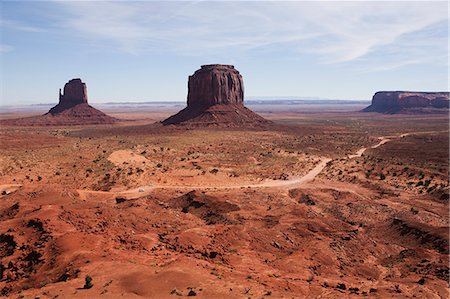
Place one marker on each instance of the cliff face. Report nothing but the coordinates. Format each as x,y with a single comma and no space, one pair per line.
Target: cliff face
215,84
216,98
407,101
75,93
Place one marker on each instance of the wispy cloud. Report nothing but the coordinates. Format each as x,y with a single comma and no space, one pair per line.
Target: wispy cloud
333,32
6,48
336,31
15,25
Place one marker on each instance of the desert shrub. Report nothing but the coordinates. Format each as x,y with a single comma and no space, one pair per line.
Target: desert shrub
88,282
26,286
120,199
382,176
214,171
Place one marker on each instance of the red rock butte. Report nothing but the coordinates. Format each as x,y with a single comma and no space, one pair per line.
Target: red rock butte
75,93
216,98
215,84
392,102
72,109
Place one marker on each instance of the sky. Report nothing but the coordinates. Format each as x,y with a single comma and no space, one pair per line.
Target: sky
145,50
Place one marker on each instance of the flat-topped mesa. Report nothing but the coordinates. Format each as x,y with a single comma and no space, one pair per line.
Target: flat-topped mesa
216,99
75,93
215,84
408,101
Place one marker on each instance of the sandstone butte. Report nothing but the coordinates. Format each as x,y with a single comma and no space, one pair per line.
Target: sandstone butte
72,109
216,98
392,102
75,93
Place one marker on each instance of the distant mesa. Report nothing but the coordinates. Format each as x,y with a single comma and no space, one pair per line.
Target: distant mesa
72,109
216,98
392,102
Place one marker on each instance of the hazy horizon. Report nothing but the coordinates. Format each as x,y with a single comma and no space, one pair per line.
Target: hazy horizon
248,100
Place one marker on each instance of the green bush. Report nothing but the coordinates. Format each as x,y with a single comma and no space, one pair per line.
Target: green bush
88,282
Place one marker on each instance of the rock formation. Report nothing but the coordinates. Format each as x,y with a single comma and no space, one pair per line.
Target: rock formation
72,109
216,98
74,94
214,85
409,102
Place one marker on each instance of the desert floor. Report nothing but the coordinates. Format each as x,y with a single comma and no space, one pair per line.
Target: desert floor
330,204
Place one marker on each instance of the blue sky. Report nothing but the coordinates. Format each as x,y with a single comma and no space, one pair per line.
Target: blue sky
145,50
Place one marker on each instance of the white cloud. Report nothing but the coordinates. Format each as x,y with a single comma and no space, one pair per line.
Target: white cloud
334,31
6,48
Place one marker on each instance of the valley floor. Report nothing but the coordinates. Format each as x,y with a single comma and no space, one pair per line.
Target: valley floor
339,204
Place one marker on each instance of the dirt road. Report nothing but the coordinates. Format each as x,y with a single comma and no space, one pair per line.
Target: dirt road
293,181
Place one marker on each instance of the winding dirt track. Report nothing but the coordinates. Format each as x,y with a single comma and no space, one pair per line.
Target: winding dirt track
294,181
383,140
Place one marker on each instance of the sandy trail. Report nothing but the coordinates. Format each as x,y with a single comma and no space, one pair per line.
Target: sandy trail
146,190
298,180
129,194
383,140
294,181
386,139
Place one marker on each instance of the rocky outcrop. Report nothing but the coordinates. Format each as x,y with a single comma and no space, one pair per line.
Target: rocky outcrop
216,98
72,109
408,102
